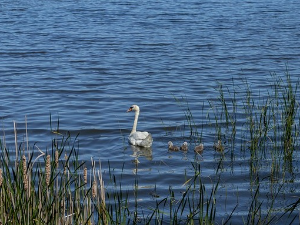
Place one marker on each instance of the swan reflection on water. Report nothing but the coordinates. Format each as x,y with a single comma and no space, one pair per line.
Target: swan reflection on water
140,152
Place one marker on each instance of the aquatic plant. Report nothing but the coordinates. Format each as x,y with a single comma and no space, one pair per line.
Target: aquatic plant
45,192
269,134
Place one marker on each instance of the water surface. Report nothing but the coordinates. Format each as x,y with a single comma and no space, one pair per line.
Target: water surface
86,62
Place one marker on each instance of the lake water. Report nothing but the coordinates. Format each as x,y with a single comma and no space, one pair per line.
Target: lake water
86,62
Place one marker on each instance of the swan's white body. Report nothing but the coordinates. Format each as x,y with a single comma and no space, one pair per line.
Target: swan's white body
138,138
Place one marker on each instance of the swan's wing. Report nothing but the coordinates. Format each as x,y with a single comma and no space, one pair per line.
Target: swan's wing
147,142
143,139
140,135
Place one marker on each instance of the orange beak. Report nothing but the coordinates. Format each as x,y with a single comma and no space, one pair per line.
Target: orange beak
130,109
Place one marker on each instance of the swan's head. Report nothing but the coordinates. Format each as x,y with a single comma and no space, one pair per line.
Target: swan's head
133,108
185,144
170,143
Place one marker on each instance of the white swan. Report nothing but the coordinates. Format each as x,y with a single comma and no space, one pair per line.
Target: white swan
138,138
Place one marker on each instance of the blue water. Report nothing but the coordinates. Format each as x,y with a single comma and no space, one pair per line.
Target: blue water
86,62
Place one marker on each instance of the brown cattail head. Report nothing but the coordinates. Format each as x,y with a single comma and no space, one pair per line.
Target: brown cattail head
94,189
65,168
25,179
48,169
1,178
56,159
85,175
62,206
24,165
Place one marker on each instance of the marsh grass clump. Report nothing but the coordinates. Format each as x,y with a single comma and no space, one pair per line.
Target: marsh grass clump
266,124
38,189
289,111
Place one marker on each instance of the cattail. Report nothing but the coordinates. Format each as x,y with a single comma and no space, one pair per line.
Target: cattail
65,168
48,169
56,159
24,165
94,189
1,178
85,175
25,179
62,206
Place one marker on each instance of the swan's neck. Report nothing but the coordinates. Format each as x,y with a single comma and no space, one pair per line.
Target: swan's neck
135,121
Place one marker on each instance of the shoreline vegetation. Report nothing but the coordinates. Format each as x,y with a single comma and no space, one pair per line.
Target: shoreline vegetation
54,187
